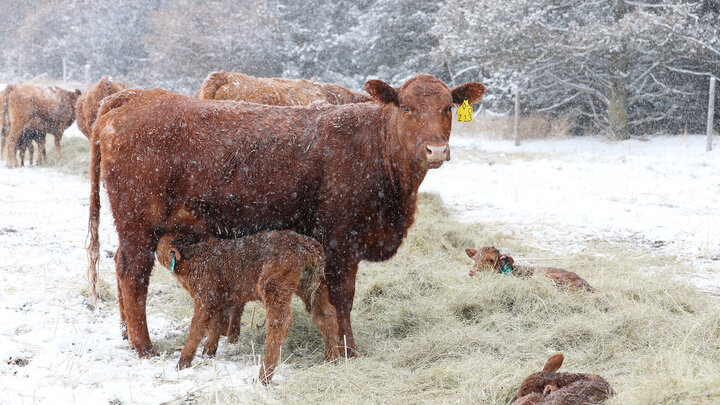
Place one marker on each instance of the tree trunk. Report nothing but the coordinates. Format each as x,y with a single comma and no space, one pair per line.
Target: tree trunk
618,105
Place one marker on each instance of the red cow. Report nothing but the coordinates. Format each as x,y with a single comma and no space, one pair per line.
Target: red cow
345,175
86,106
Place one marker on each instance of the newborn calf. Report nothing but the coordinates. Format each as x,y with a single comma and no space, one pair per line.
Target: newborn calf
490,258
223,274
551,387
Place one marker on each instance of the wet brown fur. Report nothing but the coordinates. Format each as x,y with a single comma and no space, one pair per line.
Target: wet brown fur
550,387
275,91
87,105
222,275
345,175
43,109
490,258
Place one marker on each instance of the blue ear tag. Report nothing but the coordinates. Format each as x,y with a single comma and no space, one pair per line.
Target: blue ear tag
506,269
172,264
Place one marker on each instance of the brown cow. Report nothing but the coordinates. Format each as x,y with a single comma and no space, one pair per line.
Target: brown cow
490,258
347,176
222,275
275,91
43,109
87,104
550,387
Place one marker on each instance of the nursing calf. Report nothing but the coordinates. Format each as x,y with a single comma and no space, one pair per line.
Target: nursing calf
224,274
550,387
490,258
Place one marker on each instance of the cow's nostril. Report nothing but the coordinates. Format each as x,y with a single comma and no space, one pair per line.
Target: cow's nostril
428,150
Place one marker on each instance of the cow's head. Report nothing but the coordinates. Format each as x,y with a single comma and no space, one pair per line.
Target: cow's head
421,114
488,258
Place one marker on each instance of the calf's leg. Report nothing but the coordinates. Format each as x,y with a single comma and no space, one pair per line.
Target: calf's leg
279,319
198,326
233,331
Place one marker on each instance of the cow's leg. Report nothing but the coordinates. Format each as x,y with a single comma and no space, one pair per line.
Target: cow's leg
58,137
123,324
340,274
11,144
133,272
31,151
41,149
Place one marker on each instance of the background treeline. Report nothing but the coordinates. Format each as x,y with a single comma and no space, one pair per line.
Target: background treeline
616,66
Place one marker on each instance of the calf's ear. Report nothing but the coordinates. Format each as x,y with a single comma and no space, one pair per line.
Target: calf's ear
554,362
381,91
470,91
172,250
507,258
471,252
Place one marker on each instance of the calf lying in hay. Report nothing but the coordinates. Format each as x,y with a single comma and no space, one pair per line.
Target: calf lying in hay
222,275
550,387
490,258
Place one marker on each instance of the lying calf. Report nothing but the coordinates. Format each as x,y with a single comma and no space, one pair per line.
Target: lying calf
222,275
551,387
490,258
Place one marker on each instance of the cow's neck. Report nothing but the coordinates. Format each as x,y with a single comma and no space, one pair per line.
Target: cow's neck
403,172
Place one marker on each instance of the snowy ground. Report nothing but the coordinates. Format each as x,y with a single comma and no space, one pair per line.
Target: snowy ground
558,193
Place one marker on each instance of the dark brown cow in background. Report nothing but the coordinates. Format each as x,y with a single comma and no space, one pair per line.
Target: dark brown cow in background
275,91
345,175
25,144
87,104
43,109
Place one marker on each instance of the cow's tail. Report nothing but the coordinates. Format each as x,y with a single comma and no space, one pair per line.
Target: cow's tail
5,118
212,83
93,242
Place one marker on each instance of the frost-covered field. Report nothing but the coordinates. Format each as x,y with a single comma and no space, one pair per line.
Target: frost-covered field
555,194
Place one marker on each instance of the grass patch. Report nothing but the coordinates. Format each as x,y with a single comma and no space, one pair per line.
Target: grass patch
431,334
75,159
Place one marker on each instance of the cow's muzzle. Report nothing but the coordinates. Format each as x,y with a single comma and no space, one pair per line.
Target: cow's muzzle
436,152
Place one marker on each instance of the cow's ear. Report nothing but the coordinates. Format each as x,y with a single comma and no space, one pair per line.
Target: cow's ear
554,362
471,252
470,91
77,91
381,91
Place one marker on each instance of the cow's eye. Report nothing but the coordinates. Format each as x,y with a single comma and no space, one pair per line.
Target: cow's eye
404,108
449,109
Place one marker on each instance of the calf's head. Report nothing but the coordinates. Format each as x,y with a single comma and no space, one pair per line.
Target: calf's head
420,114
488,258
172,243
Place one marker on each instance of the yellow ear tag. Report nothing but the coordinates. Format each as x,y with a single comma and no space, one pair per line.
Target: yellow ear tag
465,112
